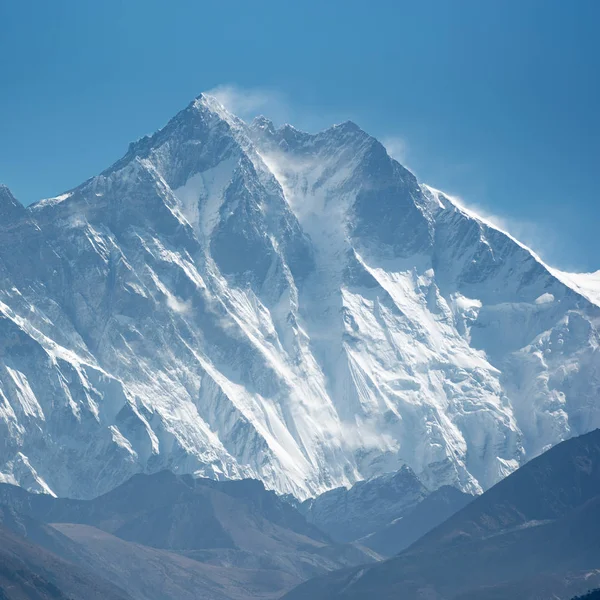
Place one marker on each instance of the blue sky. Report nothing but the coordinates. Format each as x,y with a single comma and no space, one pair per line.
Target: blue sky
496,102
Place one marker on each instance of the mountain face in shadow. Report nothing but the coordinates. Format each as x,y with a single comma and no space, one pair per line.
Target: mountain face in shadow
386,513
592,595
167,536
430,512
349,514
537,531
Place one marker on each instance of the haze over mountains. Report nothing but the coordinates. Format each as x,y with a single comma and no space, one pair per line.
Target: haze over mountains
235,300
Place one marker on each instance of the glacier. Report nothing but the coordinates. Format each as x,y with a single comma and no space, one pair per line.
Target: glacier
236,299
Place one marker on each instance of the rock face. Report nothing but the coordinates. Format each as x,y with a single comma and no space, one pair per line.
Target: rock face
237,300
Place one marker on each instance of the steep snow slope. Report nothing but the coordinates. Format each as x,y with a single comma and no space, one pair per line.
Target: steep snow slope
239,300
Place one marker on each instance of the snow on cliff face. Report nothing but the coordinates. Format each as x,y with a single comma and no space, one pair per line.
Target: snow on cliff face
238,300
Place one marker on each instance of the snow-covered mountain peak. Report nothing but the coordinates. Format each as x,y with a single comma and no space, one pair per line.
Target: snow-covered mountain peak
202,125
348,126
244,300
5,192
208,103
262,124
10,207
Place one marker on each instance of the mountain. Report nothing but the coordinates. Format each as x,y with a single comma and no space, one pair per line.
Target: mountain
146,573
167,536
349,514
412,524
536,534
39,533
238,300
386,513
10,208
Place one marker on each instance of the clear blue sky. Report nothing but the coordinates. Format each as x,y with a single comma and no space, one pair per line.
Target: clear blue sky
495,101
